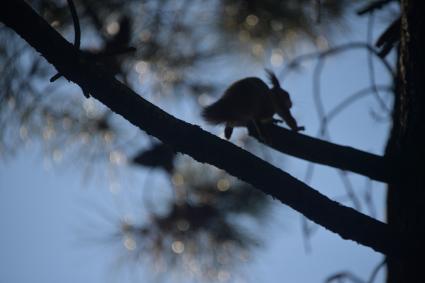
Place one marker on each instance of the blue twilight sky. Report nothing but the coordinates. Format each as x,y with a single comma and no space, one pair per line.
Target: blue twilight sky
50,214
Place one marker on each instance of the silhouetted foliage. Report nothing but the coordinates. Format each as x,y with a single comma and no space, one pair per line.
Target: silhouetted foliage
200,230
159,155
282,20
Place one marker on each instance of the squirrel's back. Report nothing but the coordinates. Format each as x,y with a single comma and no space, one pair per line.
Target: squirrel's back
240,102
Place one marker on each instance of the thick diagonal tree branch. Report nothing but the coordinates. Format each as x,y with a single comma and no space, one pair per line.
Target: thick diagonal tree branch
191,139
327,153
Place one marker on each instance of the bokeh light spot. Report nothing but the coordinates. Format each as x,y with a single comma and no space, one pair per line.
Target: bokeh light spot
251,20
177,247
277,58
116,157
223,185
177,180
113,28
257,49
141,67
129,243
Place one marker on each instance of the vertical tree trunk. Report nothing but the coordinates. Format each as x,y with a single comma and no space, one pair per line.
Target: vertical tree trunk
406,200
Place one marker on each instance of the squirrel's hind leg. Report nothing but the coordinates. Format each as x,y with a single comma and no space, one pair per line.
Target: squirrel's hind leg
228,130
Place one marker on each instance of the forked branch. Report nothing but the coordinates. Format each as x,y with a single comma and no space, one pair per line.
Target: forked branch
330,154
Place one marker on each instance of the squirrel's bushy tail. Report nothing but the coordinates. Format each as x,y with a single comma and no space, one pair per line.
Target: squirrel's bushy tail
218,113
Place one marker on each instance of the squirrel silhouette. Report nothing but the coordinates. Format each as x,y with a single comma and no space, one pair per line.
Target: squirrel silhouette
250,100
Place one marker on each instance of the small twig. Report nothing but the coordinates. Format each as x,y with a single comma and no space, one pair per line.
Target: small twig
389,38
368,198
306,226
376,270
76,22
371,67
371,7
308,229
306,234
353,278
77,32
55,77
344,275
349,189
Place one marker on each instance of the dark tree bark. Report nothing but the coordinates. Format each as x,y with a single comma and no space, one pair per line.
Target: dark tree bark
406,200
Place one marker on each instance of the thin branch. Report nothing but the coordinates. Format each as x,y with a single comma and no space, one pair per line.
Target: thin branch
340,276
376,270
373,6
77,32
323,132
326,118
192,140
317,96
351,194
370,24
352,98
335,50
76,22
306,227
320,56
368,198
307,230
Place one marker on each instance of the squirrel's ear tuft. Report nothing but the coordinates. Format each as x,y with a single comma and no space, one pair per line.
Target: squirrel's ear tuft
273,79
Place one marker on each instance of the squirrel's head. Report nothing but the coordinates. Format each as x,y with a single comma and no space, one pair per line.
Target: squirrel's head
279,95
